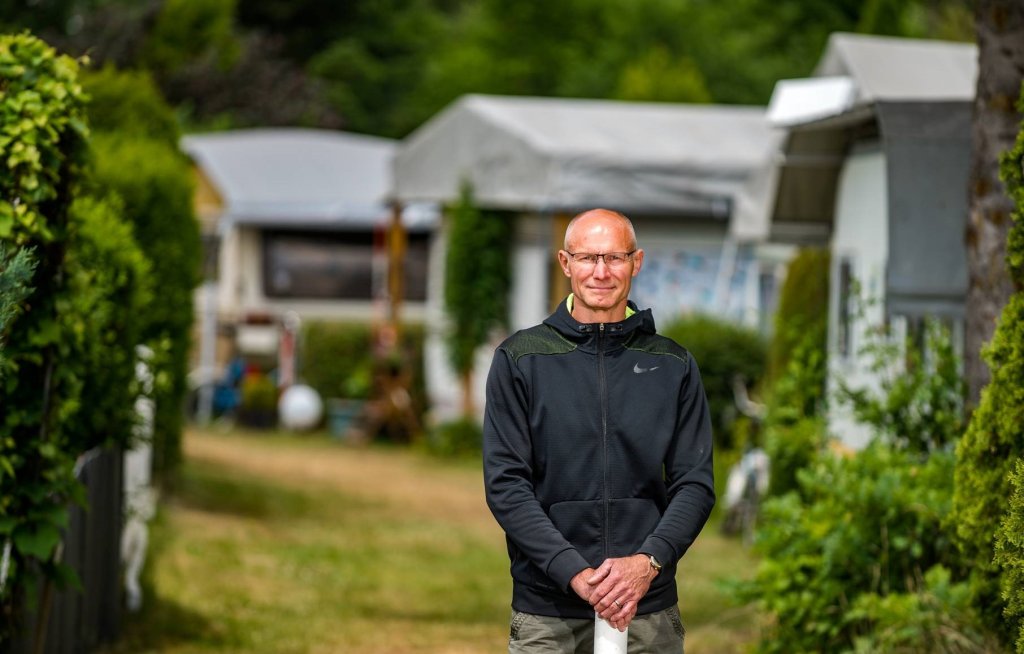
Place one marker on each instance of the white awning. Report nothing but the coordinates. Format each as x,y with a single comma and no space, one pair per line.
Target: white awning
556,154
292,177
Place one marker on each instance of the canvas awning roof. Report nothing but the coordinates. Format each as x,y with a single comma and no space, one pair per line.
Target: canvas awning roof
564,155
301,178
824,114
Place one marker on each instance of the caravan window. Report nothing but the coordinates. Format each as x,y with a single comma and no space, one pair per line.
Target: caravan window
337,265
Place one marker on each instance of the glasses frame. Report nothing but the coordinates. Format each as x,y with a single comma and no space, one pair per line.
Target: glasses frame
600,257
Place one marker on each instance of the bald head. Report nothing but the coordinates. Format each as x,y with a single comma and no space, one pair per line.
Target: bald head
598,219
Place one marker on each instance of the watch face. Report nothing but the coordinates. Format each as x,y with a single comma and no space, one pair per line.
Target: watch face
654,563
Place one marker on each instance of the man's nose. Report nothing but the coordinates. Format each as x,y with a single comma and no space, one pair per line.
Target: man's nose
601,269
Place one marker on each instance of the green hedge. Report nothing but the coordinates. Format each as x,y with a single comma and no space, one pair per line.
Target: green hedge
137,160
337,359
723,350
109,280
1010,551
801,318
994,443
69,362
42,149
863,537
798,358
154,183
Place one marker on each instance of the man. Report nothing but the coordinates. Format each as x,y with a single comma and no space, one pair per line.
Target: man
597,456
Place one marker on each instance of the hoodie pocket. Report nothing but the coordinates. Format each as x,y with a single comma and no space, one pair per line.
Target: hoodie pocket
580,522
630,522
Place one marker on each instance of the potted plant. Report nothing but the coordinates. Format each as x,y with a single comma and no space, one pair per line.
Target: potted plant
258,406
343,413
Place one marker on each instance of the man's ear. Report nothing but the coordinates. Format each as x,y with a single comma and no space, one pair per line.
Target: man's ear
563,260
638,261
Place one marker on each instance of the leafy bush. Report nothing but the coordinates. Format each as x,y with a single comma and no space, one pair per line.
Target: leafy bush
939,617
108,281
337,359
994,442
801,319
332,355
724,351
154,183
868,528
459,438
477,279
15,274
128,103
258,404
791,448
1010,552
795,386
42,151
920,404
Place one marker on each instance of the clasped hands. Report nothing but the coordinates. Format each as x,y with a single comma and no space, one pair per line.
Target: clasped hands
615,587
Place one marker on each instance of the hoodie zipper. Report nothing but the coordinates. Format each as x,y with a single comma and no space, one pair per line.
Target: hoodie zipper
603,390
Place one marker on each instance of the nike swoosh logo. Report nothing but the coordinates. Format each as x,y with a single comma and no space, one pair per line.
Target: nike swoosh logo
638,370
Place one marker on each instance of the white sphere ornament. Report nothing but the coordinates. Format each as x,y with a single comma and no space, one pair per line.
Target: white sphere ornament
300,408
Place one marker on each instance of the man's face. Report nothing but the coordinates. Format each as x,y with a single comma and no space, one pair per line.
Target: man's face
600,289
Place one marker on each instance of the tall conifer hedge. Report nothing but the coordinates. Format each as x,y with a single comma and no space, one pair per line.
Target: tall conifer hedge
994,444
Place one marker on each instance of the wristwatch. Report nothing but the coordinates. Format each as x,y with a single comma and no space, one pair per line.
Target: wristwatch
654,563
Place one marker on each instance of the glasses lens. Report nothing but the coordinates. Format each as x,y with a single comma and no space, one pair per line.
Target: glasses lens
611,259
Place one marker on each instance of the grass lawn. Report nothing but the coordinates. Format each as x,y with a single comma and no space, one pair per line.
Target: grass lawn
276,543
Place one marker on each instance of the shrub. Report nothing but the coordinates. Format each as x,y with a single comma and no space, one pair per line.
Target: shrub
258,404
724,351
459,438
994,441
868,528
154,183
128,103
332,355
1010,553
109,284
801,319
920,403
938,617
477,279
791,448
15,275
337,359
43,146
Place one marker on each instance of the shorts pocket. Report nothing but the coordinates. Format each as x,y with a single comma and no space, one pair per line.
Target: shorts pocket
677,622
518,618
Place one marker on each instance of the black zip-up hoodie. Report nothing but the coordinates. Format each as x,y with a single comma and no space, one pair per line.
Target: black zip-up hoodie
597,444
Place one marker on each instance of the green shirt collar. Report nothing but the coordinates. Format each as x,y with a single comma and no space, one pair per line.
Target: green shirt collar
569,300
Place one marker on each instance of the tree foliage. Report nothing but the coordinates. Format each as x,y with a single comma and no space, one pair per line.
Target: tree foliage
77,304
859,556
1010,552
385,66
919,404
726,353
994,442
153,182
15,274
477,280
109,279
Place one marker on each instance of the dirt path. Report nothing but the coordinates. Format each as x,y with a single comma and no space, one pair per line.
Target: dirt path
449,495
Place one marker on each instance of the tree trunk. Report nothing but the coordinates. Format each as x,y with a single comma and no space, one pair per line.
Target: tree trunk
1000,29
468,403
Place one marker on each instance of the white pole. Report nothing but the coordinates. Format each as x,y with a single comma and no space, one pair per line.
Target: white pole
207,351
608,639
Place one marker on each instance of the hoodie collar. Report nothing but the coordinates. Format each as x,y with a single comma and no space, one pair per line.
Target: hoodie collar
562,321
630,307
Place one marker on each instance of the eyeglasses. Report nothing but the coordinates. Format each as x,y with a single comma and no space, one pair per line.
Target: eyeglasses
611,259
